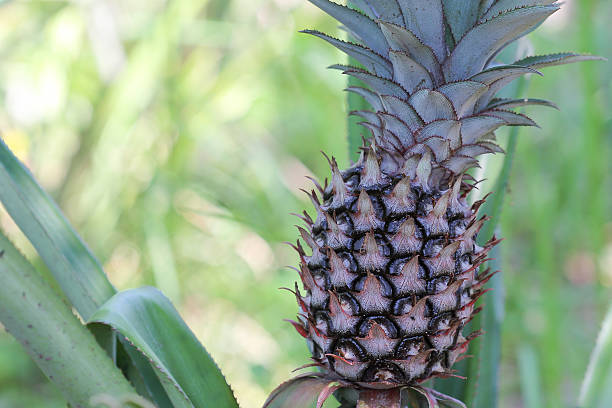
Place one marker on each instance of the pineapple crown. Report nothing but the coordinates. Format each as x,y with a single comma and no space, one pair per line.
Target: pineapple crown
430,76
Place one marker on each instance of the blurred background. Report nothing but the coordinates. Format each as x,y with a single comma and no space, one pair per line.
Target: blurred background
175,135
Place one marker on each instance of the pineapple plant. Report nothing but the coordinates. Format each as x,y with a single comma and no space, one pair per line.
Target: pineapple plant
390,267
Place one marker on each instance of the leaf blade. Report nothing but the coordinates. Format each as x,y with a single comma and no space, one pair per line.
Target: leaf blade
52,335
489,37
151,323
73,265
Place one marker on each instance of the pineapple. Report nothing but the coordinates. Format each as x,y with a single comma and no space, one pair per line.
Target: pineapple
391,270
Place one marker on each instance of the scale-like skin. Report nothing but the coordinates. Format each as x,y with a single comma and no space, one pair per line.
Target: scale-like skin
392,277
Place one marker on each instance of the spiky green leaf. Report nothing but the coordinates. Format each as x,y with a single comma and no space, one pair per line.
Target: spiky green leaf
432,105
397,127
474,128
501,6
508,103
450,129
409,73
497,78
381,86
483,41
511,118
387,10
359,24
369,59
369,96
425,19
541,61
463,95
503,72
401,39
403,110
461,16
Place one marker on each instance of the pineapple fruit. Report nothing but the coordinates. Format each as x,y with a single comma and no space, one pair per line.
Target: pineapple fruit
391,270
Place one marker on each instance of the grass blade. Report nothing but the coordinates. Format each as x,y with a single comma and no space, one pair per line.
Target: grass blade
483,374
594,391
68,258
530,377
52,335
188,374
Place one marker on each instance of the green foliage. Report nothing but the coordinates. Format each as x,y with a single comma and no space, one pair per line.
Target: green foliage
147,319
53,337
76,270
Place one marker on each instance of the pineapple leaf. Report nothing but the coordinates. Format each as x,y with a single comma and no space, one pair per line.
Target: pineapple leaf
401,39
461,16
387,10
501,6
369,96
450,128
463,95
541,61
504,72
52,335
303,391
432,105
75,268
511,118
409,73
149,321
484,40
508,103
381,86
359,24
475,127
396,126
367,115
459,164
369,59
497,78
402,110
425,19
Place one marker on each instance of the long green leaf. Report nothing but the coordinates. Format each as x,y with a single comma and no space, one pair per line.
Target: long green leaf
484,40
148,320
52,335
72,264
356,22
483,374
594,392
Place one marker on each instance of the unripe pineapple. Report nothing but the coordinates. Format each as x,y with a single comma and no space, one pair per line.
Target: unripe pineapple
391,273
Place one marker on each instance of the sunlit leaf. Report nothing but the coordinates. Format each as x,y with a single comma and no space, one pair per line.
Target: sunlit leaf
68,258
